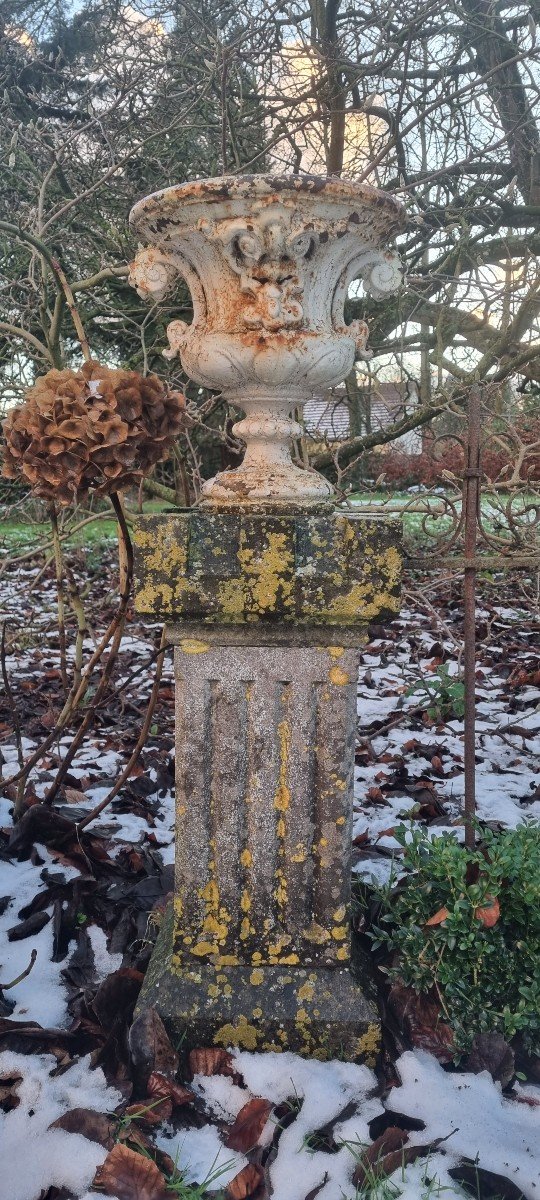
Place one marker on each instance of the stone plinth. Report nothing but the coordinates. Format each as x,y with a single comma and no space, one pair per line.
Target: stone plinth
267,592
305,570
266,614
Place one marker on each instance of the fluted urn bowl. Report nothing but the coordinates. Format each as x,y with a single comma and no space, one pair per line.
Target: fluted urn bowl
268,261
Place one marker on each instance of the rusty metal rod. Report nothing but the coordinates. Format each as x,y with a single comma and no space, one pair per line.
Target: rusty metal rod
471,506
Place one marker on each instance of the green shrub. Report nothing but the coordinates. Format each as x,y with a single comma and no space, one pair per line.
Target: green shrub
482,952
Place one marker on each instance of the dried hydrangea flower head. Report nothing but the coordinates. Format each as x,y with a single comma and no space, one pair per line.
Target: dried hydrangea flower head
94,428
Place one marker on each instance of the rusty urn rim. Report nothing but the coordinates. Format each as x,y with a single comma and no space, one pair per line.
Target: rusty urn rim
162,212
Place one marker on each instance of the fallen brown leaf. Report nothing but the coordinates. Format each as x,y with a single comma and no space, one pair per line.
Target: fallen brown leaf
248,1125
129,1176
74,796
152,1113
392,1140
159,1087
488,914
116,996
375,795
419,1016
438,917
480,1182
8,1091
150,1048
247,1184
210,1060
490,1052
95,1126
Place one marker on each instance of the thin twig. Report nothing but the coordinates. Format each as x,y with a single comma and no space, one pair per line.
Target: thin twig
16,724
59,570
112,634
125,550
4,987
140,741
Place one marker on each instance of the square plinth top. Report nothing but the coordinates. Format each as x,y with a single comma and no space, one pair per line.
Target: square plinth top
220,568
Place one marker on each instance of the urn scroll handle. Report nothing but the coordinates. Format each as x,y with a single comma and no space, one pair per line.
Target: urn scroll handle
382,275
153,275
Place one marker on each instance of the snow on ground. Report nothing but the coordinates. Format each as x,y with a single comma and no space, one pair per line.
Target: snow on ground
507,747
34,1157
466,1112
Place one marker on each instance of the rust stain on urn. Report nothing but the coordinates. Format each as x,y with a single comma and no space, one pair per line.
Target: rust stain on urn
268,260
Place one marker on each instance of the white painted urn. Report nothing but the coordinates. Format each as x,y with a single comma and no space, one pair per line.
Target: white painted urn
268,261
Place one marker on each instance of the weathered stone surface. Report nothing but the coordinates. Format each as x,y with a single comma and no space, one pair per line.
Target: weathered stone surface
268,260
318,1012
335,569
264,775
256,950
267,592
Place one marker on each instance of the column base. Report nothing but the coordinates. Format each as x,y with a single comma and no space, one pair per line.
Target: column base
318,1013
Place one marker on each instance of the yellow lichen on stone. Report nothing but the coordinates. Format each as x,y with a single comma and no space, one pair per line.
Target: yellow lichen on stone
215,927
368,1046
282,797
280,891
276,948
241,1034
336,651
231,598
203,948
338,677
342,953
193,646
246,858
268,572
306,992
164,556
315,933
256,977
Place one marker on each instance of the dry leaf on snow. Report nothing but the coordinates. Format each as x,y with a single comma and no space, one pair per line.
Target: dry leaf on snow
389,1142
150,1048
129,1176
210,1060
247,1184
95,1126
248,1125
159,1087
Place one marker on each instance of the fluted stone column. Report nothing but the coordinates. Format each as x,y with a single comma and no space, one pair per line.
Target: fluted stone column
266,590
